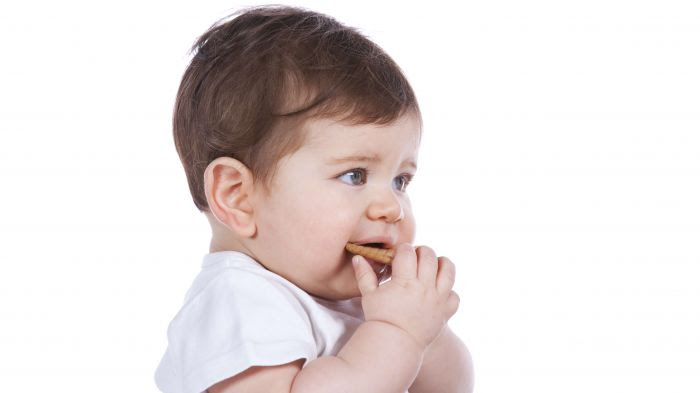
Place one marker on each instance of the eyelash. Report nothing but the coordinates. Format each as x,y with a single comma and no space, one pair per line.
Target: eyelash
407,177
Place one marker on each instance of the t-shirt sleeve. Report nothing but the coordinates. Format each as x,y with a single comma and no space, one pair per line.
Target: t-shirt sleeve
240,319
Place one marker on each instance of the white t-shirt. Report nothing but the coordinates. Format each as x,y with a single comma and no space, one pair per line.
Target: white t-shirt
237,314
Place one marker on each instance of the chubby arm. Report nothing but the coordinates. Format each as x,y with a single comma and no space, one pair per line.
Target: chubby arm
447,367
379,357
273,379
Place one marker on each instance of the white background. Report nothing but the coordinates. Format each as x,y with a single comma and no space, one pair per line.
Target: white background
560,170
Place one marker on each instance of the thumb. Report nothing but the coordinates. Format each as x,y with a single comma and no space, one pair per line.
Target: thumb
366,278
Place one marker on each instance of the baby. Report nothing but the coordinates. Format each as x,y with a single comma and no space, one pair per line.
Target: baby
298,136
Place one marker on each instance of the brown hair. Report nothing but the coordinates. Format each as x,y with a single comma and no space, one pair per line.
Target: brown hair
255,79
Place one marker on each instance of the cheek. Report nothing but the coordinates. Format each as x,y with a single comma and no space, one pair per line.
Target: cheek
321,219
408,224
408,229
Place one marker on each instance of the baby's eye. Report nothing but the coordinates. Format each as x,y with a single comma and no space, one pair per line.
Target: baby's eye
401,182
355,177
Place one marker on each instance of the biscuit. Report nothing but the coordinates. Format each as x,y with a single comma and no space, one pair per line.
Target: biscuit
376,254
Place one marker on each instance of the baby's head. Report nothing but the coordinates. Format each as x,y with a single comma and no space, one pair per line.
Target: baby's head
298,135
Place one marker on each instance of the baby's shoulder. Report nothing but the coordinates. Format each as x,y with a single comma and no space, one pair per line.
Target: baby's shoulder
237,283
232,298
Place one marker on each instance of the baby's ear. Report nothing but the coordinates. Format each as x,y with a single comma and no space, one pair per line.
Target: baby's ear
228,185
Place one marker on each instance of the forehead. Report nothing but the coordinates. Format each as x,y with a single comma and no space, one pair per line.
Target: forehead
331,137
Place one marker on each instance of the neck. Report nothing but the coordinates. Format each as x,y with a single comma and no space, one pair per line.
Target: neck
222,239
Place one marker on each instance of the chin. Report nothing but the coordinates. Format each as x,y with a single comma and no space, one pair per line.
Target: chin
344,285
341,294
344,291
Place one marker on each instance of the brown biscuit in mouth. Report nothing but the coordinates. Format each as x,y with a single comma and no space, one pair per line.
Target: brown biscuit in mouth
376,254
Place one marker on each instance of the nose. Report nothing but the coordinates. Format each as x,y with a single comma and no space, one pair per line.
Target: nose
385,206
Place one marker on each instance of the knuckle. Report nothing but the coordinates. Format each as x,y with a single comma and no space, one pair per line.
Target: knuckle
447,262
404,247
448,267
426,254
453,302
455,297
404,253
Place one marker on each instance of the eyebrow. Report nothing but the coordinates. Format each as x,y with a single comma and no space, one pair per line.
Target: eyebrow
363,158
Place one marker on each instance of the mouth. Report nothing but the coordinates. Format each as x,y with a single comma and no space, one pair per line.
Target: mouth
381,246
378,254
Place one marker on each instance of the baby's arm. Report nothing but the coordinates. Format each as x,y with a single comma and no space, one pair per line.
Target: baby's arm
447,367
273,379
403,317
377,358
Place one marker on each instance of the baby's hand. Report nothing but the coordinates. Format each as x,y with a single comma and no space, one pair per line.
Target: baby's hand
418,299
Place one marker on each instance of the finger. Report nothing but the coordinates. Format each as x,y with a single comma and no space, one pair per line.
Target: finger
452,304
403,266
365,276
445,275
427,265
